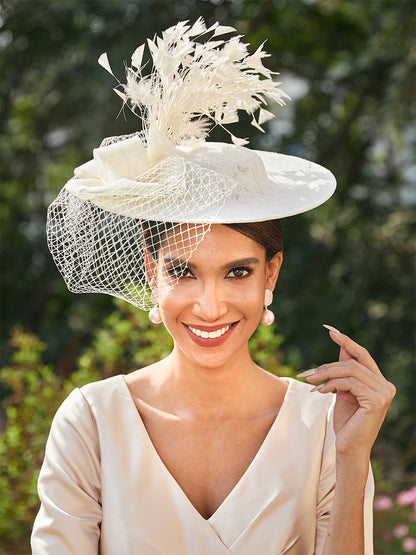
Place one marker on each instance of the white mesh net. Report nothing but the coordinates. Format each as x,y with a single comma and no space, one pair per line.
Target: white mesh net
99,248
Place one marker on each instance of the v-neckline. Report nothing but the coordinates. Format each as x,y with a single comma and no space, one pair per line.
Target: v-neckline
242,478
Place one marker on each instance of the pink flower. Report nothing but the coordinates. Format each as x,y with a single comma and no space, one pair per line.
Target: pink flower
400,531
383,503
409,545
407,497
387,536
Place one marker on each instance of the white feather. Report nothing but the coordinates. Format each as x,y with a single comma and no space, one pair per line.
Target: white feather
192,83
137,57
256,124
120,94
222,30
103,61
264,115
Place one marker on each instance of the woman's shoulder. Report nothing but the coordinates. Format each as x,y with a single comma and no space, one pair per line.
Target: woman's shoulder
79,416
89,398
309,405
106,393
102,386
97,406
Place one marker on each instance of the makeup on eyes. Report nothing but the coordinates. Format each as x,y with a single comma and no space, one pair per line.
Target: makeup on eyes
248,270
178,268
179,272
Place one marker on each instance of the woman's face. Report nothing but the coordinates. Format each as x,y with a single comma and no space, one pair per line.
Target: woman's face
216,305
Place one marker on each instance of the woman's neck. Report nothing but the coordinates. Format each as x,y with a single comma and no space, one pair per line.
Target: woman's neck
218,392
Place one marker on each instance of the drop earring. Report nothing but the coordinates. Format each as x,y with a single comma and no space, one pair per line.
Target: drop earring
267,316
154,315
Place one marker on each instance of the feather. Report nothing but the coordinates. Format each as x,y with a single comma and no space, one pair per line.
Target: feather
256,124
193,83
103,61
137,57
222,30
264,115
120,94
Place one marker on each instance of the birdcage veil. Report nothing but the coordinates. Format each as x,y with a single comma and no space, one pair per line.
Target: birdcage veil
101,247
159,190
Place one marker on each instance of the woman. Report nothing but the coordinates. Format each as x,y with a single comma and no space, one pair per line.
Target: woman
202,452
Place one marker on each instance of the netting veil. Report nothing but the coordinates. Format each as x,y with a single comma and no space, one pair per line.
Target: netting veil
130,218
100,247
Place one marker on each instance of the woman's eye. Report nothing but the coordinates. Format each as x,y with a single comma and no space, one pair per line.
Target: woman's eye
178,272
239,273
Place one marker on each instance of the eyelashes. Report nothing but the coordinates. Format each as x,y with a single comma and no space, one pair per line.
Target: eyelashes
240,272
181,272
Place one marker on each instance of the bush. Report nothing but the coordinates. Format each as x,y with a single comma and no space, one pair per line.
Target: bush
34,395
395,522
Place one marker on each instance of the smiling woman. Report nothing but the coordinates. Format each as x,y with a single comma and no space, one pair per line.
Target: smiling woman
222,286
203,452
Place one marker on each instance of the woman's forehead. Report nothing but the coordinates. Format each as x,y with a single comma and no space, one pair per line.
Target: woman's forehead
193,241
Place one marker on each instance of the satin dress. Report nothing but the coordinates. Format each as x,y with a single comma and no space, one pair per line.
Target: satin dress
104,489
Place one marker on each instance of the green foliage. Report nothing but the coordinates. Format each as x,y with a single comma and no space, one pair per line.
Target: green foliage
34,394
265,348
126,341
395,522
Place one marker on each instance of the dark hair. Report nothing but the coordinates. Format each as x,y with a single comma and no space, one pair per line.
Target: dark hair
268,234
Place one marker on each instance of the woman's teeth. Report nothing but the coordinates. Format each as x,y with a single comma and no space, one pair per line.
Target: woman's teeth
209,334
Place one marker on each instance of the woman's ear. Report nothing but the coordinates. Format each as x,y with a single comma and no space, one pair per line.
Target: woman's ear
272,270
150,268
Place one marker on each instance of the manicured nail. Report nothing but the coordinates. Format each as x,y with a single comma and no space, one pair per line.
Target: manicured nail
307,373
317,388
331,328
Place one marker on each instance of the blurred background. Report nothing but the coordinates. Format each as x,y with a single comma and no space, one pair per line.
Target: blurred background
349,67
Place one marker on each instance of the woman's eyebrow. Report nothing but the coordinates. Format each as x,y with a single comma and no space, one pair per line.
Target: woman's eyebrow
241,262
177,262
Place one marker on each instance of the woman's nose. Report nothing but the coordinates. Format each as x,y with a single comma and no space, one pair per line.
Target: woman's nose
209,303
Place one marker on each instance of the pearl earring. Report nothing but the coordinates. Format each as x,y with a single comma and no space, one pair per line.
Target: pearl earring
267,317
154,315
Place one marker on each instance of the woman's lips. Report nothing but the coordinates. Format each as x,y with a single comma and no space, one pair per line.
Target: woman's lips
210,336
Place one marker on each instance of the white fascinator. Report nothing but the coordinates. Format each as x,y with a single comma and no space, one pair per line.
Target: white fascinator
167,179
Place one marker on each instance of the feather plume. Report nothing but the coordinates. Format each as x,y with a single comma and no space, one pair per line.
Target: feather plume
195,84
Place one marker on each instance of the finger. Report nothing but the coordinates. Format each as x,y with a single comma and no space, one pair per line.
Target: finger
344,354
351,349
345,369
368,398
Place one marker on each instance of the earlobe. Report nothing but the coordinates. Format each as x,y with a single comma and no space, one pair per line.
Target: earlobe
273,269
150,268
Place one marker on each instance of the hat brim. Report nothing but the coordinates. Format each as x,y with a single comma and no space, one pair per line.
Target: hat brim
295,186
287,185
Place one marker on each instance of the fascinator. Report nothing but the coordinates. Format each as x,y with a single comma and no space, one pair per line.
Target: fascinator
167,180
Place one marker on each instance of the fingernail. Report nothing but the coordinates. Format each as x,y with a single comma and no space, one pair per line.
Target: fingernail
331,328
307,373
317,388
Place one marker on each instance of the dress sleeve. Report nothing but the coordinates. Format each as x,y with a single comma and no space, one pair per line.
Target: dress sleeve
326,494
68,521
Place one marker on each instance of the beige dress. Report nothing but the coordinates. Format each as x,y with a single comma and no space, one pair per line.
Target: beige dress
104,489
